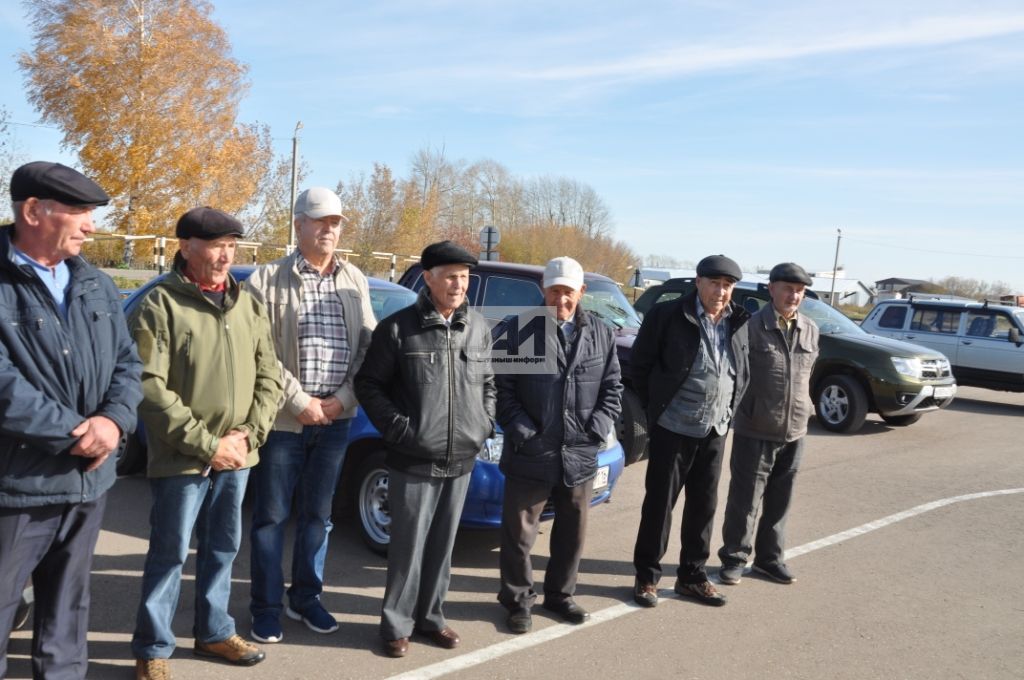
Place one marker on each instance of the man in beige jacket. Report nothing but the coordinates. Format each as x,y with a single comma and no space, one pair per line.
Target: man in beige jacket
321,319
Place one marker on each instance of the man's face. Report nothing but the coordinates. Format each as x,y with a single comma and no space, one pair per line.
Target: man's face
317,238
786,297
448,284
564,299
208,262
59,230
715,292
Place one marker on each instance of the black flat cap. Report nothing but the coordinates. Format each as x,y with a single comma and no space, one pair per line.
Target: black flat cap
208,224
41,179
446,252
789,272
719,265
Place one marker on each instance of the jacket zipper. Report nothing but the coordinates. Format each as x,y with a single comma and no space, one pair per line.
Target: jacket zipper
451,396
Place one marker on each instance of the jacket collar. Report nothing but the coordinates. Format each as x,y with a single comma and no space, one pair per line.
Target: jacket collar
429,316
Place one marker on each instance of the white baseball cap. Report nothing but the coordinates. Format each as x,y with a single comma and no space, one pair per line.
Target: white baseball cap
563,271
317,202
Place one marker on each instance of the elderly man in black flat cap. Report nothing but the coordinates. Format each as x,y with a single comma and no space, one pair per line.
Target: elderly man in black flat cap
69,384
770,425
211,387
689,365
427,385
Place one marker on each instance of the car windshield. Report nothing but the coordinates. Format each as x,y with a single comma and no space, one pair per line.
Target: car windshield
387,301
829,320
607,302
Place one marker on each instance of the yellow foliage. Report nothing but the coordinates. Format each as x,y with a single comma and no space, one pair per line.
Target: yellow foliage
147,92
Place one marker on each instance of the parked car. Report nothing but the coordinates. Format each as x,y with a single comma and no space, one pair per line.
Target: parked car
363,485
856,372
983,341
503,284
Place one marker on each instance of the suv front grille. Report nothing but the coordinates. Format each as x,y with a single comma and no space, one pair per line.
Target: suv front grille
933,369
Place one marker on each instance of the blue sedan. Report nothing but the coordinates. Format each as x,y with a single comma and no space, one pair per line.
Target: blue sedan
363,487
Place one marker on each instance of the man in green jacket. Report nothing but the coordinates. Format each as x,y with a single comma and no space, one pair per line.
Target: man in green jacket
211,387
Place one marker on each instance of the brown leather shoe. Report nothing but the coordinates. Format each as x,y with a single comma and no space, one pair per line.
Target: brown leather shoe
152,669
233,650
396,649
645,594
446,637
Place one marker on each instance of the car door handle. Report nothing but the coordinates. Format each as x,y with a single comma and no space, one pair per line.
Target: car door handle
911,337
965,342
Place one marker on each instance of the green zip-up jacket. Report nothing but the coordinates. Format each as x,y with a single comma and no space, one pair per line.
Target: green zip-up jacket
205,371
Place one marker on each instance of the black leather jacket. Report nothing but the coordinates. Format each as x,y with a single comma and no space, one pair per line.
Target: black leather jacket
555,423
429,388
667,345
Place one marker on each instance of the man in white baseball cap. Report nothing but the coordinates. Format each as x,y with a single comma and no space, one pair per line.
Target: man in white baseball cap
555,424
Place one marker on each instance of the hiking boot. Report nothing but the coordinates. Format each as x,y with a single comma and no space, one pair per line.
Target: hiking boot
233,650
152,669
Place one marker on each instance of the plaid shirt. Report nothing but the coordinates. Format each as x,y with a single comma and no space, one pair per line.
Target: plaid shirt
324,353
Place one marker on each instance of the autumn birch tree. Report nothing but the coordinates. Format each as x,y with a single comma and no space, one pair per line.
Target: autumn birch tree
147,93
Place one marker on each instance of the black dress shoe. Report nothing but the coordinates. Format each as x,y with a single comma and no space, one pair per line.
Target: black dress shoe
568,610
446,637
520,621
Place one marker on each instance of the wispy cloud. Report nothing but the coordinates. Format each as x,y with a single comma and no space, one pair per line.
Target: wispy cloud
691,59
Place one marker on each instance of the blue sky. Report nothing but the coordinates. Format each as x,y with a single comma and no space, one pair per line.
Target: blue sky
750,128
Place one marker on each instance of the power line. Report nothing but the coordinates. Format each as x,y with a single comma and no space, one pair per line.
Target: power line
36,125
935,252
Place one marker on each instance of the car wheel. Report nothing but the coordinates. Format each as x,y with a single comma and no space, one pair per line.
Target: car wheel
132,458
902,421
631,428
372,503
841,404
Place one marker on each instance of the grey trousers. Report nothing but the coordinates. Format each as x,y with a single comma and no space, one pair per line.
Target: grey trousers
520,521
763,474
425,514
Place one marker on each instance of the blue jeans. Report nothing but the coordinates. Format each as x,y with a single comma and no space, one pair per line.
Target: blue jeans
213,505
305,465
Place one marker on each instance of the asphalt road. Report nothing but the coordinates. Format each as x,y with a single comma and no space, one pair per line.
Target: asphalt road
910,547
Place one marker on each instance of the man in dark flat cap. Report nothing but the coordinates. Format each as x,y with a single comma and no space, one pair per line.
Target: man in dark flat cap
211,386
426,383
770,426
69,382
689,365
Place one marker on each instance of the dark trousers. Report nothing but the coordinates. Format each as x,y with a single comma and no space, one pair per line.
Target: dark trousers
677,462
53,545
425,514
520,521
763,474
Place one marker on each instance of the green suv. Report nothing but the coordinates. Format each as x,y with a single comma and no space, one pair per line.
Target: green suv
856,373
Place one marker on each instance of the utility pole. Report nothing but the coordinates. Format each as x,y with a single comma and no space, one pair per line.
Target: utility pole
295,180
835,264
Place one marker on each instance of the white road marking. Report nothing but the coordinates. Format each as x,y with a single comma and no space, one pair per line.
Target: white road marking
521,642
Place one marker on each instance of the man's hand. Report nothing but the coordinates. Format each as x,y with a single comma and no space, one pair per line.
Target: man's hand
313,414
232,450
332,408
98,437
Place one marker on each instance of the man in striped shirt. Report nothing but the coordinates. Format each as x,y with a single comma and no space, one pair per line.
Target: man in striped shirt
321,319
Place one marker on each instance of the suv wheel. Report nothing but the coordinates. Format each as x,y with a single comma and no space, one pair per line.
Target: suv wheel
841,404
372,503
632,427
902,421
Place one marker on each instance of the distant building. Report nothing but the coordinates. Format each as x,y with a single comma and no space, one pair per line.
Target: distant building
897,287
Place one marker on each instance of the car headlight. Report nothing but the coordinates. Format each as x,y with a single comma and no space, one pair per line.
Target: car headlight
491,450
908,366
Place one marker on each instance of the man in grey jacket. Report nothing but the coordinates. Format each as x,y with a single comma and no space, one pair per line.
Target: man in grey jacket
555,424
321,319
427,386
769,430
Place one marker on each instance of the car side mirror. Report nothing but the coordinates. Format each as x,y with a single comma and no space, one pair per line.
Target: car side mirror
1014,336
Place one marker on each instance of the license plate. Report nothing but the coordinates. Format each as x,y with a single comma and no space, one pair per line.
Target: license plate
601,480
943,392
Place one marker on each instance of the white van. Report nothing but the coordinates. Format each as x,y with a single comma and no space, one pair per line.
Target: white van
982,340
